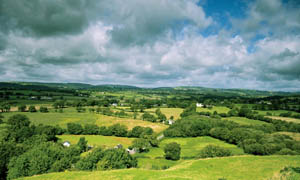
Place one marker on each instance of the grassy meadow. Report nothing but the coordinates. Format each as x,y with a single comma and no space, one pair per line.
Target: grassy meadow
219,109
288,119
98,141
175,112
231,168
70,115
244,121
190,148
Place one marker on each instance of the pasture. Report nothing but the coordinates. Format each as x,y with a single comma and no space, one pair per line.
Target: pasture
71,116
219,109
288,119
233,168
175,112
190,148
97,140
244,121
295,136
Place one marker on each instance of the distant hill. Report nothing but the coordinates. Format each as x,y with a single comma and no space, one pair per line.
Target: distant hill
111,87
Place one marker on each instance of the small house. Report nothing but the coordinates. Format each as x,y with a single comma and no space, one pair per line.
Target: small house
171,122
131,151
199,105
67,144
114,104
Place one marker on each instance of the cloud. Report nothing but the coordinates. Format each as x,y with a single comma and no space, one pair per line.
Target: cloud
149,43
269,17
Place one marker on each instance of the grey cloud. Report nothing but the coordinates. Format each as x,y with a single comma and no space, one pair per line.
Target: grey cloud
134,22
269,18
45,17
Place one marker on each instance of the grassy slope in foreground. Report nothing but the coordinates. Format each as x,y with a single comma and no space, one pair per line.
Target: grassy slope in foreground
243,167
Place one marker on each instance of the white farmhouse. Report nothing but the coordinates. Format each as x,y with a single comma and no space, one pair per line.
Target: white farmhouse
199,105
67,144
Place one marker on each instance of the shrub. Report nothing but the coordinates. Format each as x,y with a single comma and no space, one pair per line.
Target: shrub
141,145
31,109
90,161
82,144
74,128
116,159
172,151
43,109
91,129
22,108
286,151
37,160
214,151
118,130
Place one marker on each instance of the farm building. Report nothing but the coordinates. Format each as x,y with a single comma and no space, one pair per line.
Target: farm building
67,144
199,105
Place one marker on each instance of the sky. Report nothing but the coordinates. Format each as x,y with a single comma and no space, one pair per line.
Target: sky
153,43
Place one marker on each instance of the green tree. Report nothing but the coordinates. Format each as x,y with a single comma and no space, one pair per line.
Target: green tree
1,119
37,160
8,150
141,145
4,107
148,117
22,108
116,159
91,129
44,109
136,131
118,130
19,128
74,128
82,144
31,109
214,151
90,161
172,151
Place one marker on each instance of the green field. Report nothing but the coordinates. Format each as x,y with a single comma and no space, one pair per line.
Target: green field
288,119
71,116
275,112
190,147
244,121
219,109
175,112
99,141
295,136
231,168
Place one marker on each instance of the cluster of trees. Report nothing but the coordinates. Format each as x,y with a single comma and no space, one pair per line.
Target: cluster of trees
113,130
144,143
172,151
290,114
253,139
211,151
21,137
5,107
158,117
245,111
23,108
100,159
26,150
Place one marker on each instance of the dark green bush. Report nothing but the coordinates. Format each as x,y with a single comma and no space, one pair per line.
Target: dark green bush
172,151
116,159
214,151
